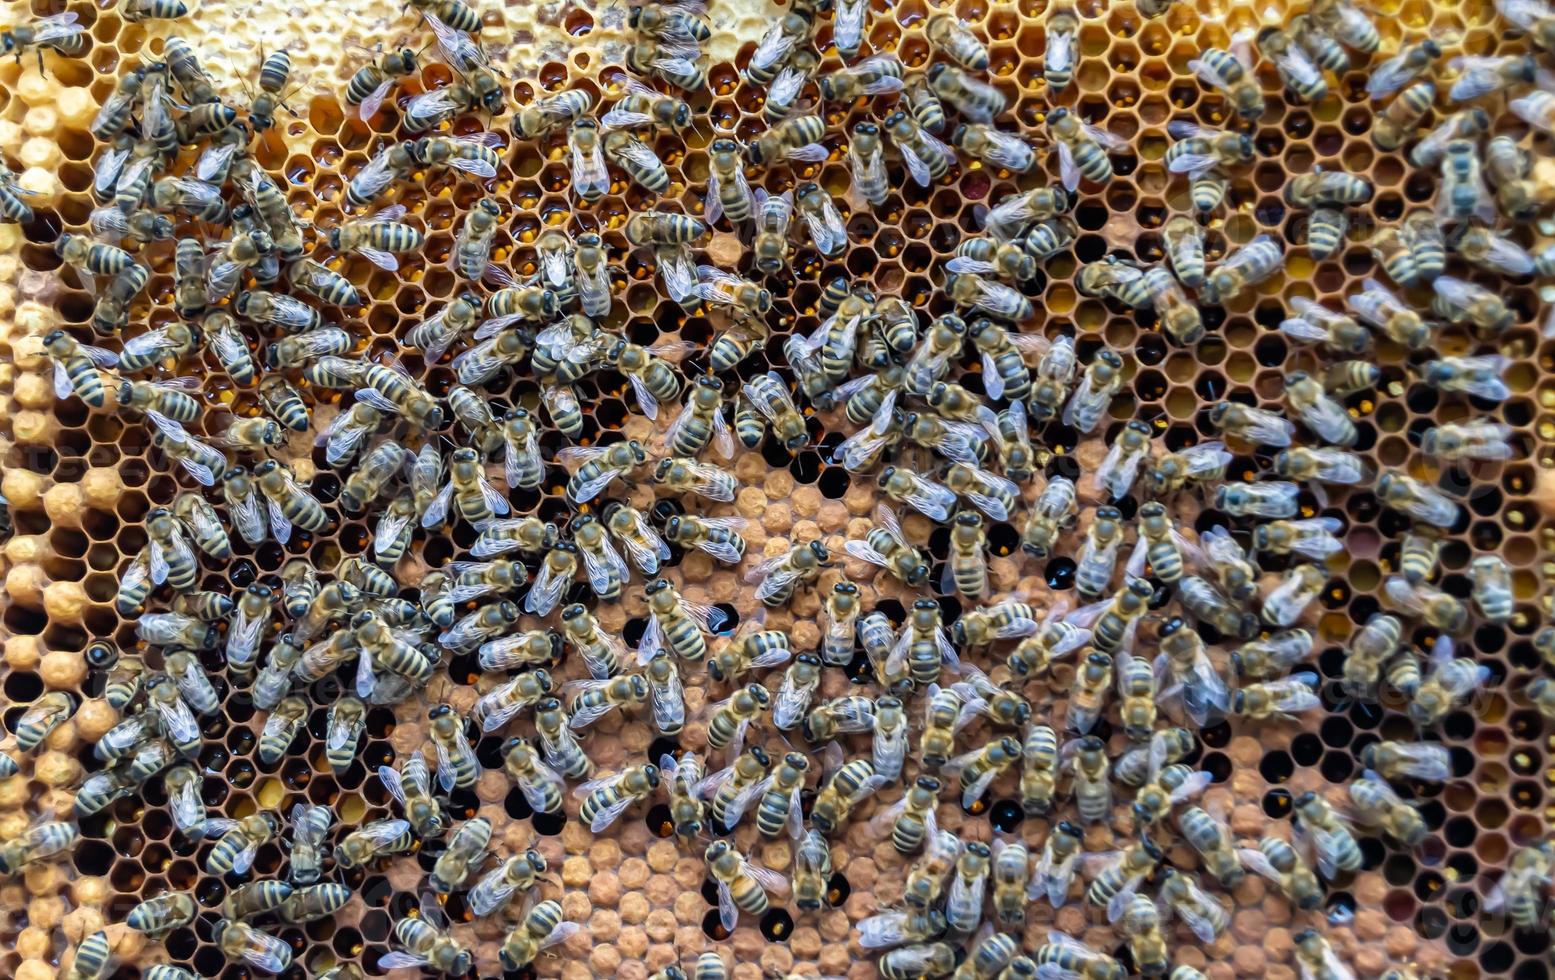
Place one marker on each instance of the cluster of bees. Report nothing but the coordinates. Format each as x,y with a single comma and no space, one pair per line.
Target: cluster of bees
254,290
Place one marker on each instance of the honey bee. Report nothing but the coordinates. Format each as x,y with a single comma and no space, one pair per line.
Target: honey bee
663,228
1202,914
519,873
1492,587
846,788
539,118
741,884
541,785
866,156
925,157
1231,72
1520,892
795,139
1447,684
840,716
1283,698
1376,805
926,880
1243,269
1462,193
601,466
1393,74
779,807
780,42
643,106
887,547
1272,657
1333,842
1129,451
76,367
733,716
1053,512
728,193
651,377
1319,324
370,86
466,851
800,680
684,475
637,159
1458,301
606,798
427,945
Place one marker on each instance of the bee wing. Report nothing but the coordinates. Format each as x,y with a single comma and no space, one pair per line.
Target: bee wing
1201,925
768,879
786,86
848,23
822,230
669,702
619,118
437,511
599,565
1119,903
188,808
109,223
147,343
1389,76
588,170
1296,65
917,169
494,500
774,46
609,815
933,500
1060,52
641,154
546,591
1009,151
645,398
863,552
110,167
643,554
427,107
461,52
399,959
1480,76
1208,74
1068,170
992,506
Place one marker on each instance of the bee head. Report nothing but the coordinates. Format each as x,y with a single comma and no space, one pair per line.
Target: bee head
819,551
935,71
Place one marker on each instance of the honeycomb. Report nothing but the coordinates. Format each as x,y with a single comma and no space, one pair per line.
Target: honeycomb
80,484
